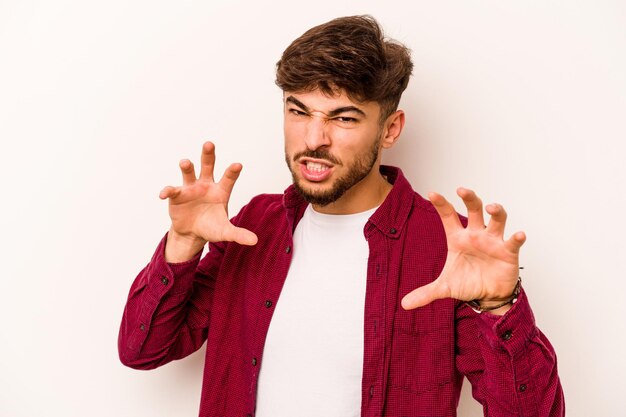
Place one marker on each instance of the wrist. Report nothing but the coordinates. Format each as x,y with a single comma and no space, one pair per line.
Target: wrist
497,307
181,248
499,311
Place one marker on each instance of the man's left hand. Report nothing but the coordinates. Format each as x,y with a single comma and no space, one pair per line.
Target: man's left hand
480,264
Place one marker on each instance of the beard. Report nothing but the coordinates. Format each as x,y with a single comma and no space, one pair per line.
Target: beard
358,170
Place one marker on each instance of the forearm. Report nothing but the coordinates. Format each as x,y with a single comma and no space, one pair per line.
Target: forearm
513,368
179,248
154,328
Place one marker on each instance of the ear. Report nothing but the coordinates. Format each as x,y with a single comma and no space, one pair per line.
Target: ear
393,127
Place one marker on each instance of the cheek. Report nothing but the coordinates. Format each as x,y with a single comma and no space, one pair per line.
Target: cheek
294,136
350,142
290,146
292,133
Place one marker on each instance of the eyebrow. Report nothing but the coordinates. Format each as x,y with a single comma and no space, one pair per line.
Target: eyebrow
332,113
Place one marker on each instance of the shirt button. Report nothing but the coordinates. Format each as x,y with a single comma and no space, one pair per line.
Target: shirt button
268,303
288,249
165,281
522,388
507,335
142,327
371,391
393,231
253,361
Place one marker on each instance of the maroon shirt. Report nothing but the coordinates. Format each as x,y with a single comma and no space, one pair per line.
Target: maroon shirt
414,361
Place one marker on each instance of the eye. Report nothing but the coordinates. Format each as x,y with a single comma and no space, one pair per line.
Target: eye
297,112
344,120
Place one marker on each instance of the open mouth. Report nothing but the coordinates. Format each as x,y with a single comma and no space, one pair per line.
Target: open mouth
315,170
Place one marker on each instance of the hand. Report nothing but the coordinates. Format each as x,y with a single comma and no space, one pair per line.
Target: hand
480,265
199,208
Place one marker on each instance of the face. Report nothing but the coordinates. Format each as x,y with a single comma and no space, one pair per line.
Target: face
332,144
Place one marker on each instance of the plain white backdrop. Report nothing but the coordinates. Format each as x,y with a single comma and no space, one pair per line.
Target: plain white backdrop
525,101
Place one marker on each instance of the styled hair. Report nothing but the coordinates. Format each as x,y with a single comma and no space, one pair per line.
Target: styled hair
348,54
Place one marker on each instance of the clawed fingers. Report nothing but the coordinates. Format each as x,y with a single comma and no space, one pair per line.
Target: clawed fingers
498,219
475,216
475,219
207,161
242,236
230,177
187,169
189,173
425,295
449,217
169,192
515,242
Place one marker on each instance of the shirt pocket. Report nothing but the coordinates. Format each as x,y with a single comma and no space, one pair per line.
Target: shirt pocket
422,350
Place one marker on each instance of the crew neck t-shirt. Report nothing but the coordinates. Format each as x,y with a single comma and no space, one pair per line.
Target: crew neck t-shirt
313,355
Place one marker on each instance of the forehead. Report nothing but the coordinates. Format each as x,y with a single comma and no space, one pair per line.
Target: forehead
316,100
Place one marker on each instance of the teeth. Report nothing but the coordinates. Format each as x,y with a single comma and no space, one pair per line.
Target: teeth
316,166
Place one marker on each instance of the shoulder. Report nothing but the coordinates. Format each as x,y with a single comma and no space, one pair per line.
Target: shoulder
423,206
424,211
260,206
265,201
423,220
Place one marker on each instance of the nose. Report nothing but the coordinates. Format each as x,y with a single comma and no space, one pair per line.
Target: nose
317,131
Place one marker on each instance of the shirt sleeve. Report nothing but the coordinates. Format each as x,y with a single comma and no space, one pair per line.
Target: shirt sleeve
511,365
168,309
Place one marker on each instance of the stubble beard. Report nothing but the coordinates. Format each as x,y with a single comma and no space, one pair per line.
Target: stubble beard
359,169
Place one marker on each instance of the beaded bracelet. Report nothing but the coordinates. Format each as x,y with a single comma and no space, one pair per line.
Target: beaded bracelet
475,304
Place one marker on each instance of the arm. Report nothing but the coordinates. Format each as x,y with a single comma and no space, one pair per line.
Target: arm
510,363
168,308
167,313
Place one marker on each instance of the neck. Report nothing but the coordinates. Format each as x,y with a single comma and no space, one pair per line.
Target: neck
368,193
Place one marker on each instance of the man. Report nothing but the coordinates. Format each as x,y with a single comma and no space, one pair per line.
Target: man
349,294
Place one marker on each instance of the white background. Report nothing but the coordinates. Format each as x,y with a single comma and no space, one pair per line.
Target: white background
525,101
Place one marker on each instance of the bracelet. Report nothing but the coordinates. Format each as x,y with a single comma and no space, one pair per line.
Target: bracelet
475,304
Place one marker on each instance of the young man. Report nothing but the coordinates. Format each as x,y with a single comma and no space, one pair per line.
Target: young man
348,295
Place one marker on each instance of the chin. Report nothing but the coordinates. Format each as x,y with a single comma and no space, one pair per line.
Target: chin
319,196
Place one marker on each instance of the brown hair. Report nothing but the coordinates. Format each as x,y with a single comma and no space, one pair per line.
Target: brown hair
347,54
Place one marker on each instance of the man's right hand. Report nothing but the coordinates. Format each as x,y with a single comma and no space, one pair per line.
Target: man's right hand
199,209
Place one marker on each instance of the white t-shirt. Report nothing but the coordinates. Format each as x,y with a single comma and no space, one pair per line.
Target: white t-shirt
313,356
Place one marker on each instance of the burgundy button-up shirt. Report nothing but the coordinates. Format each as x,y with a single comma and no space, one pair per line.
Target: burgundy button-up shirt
414,361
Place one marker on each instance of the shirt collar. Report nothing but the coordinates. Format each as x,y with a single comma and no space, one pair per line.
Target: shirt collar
391,216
